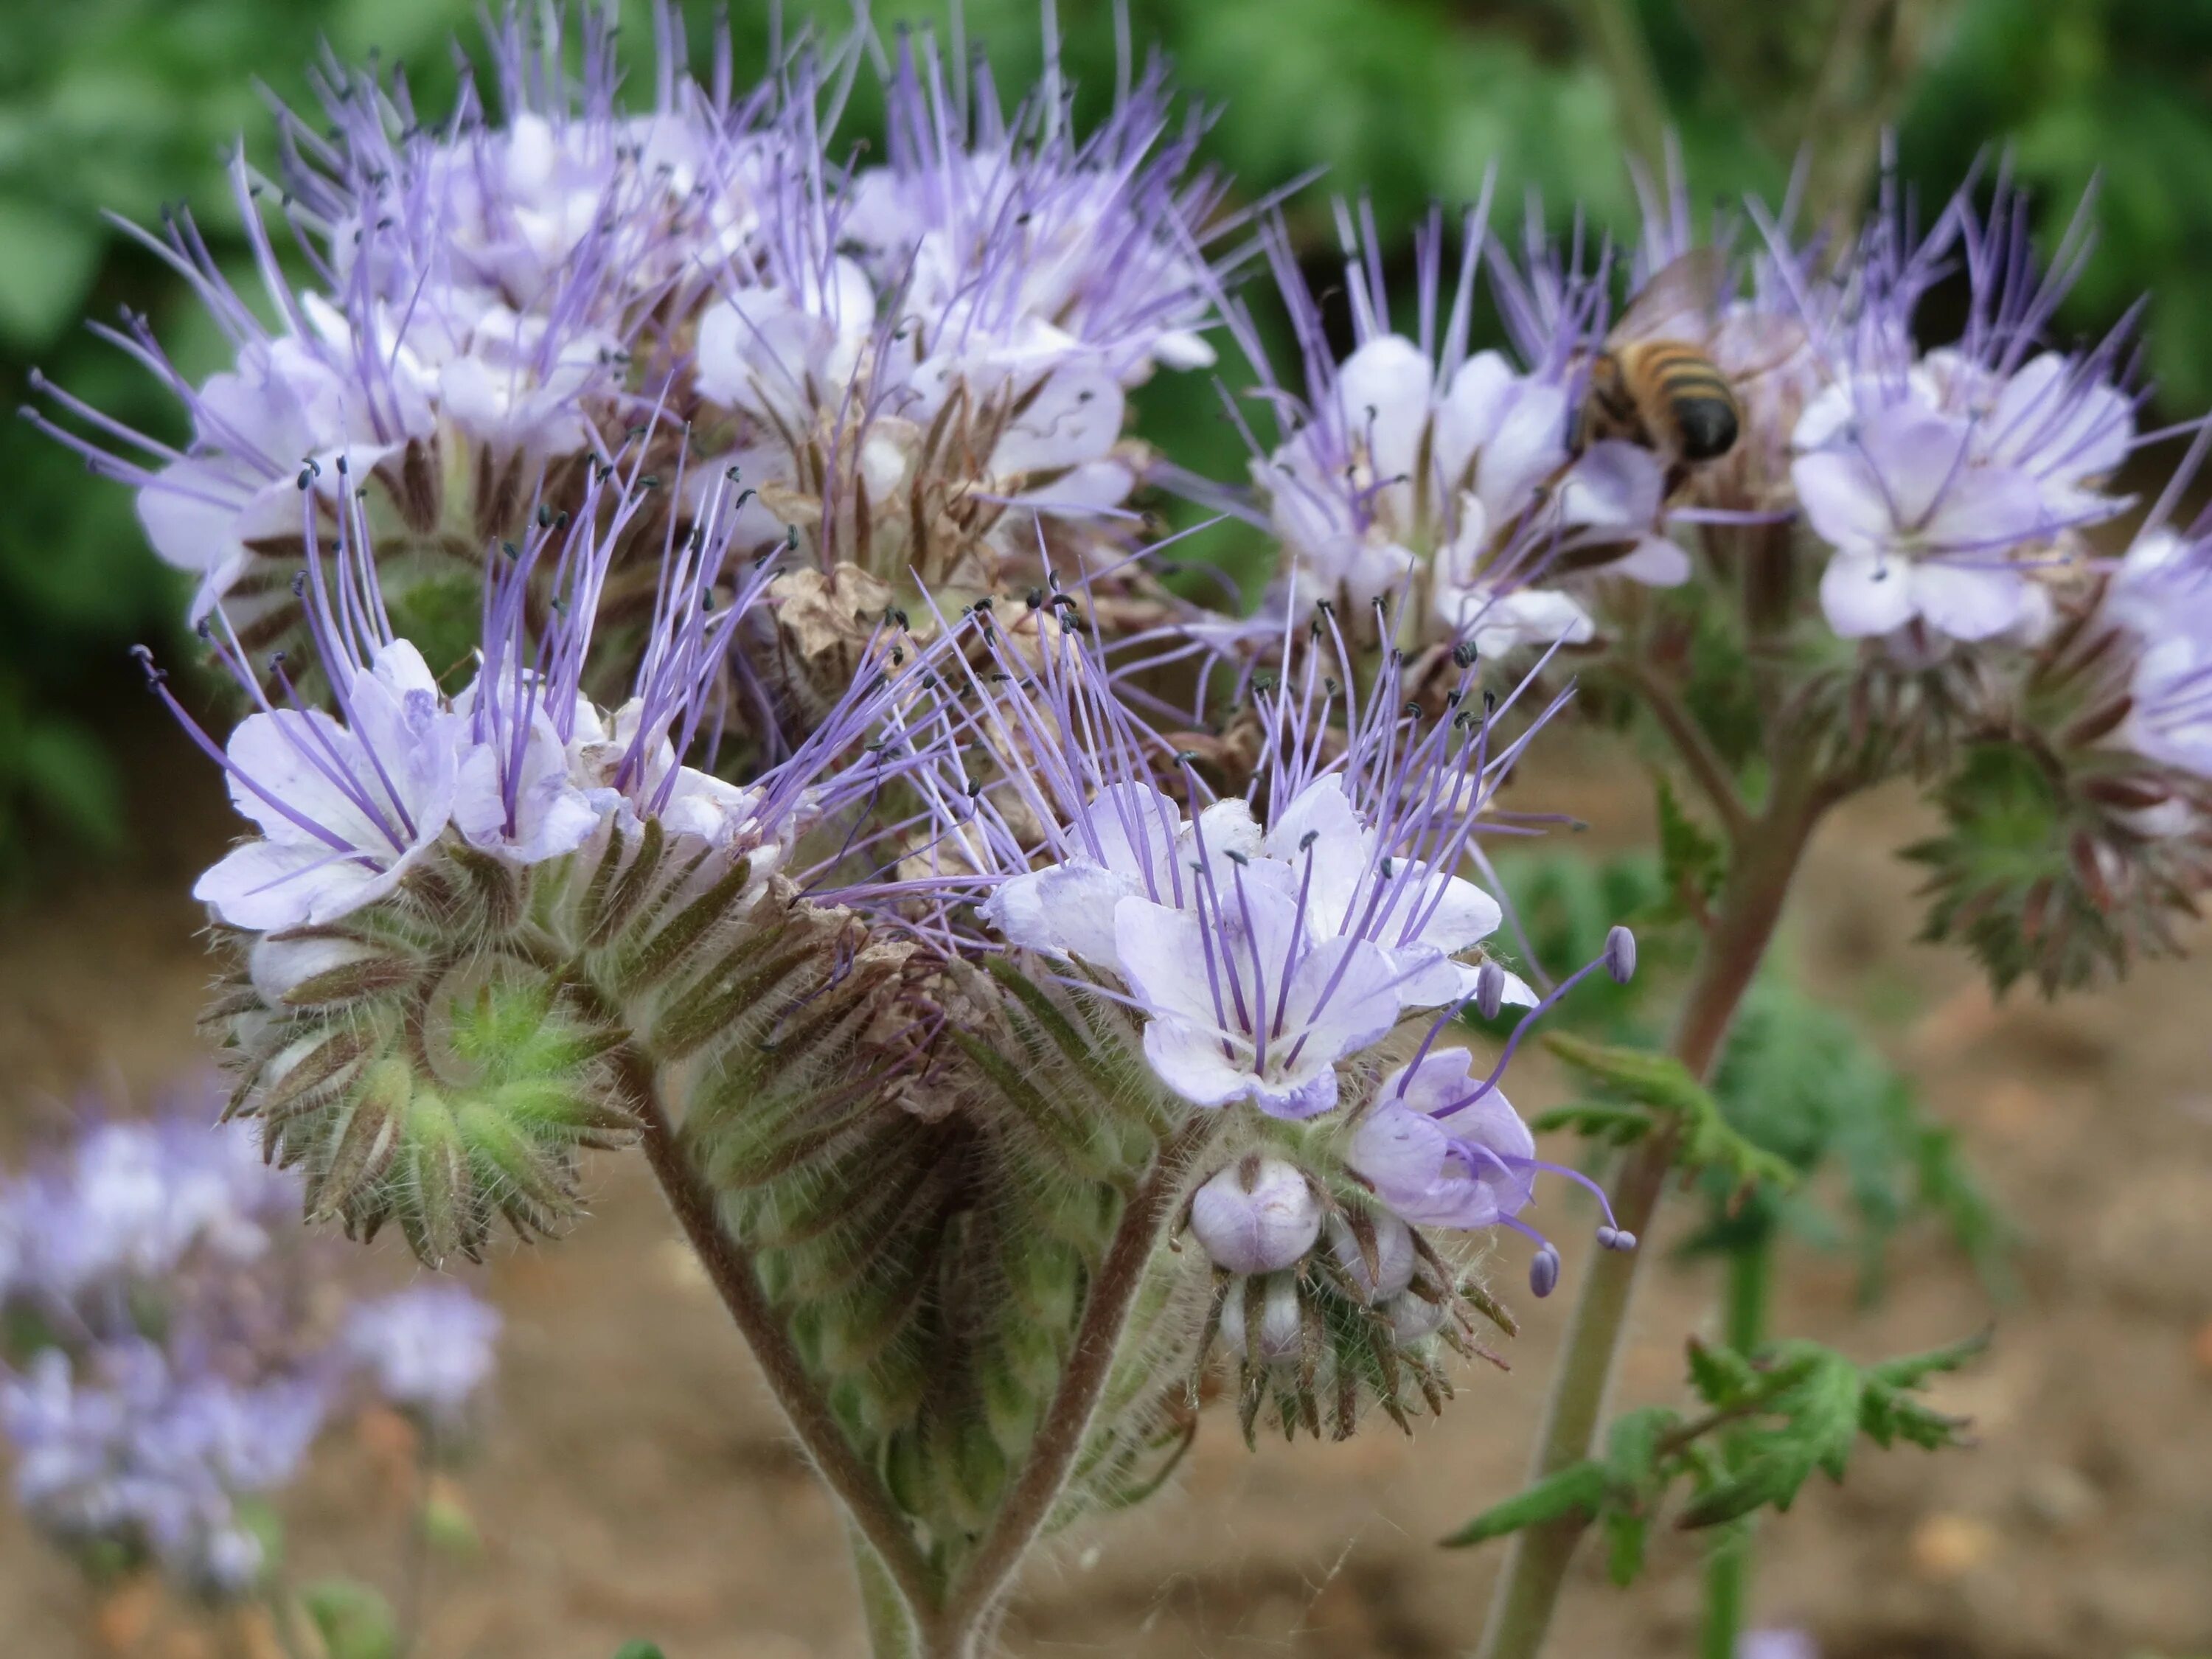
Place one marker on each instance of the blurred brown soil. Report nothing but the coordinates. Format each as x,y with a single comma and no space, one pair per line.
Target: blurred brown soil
636,1482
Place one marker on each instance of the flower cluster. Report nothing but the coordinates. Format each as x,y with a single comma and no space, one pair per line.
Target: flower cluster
1274,944
171,1355
1450,480
899,359
1951,484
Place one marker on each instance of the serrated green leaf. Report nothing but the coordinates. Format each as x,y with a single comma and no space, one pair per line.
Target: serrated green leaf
1627,1532
1662,1082
1579,1489
1911,1370
1632,1447
1722,1377
1621,1126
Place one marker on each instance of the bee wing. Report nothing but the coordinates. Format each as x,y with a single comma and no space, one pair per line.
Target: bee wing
1750,345
1678,303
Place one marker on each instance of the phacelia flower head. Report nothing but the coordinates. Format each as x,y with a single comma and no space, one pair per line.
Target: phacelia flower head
1267,939
1014,236
1415,464
516,762
1949,484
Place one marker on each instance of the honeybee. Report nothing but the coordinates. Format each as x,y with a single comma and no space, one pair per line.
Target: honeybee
1655,383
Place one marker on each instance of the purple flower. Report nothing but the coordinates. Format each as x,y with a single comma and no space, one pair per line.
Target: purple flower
1942,482
346,805
1244,1002
2161,593
174,1366
1411,465
1476,1171
133,1200
428,1350
1441,1146
1262,955
136,1452
518,763
1009,239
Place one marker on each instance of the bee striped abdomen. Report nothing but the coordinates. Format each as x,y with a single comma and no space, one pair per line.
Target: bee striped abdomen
1699,404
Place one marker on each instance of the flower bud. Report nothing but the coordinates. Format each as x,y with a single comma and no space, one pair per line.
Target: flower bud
1257,1216
283,964
1281,1324
1413,1317
1620,955
1389,1241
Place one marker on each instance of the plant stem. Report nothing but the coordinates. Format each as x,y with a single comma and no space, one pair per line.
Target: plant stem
1762,863
731,1270
1699,758
983,1583
892,1633
1728,1569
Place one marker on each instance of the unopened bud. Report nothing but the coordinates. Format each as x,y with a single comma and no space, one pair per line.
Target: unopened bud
1382,1264
1489,989
1620,955
280,965
1544,1271
1413,1317
1616,1238
1257,1216
1281,1325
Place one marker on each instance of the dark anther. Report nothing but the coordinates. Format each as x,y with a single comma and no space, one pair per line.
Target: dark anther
1240,860
1306,841
299,583
544,515
1037,598
1411,710
1388,868
1464,655
1186,756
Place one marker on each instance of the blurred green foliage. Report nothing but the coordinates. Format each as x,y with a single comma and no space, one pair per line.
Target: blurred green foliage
126,105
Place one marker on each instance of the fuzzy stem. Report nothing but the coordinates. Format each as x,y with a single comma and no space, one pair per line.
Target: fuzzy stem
1021,1521
730,1268
892,1633
1699,758
1728,1569
1762,866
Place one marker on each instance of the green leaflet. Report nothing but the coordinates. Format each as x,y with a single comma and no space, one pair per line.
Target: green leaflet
1662,1086
1577,1490
1769,1426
